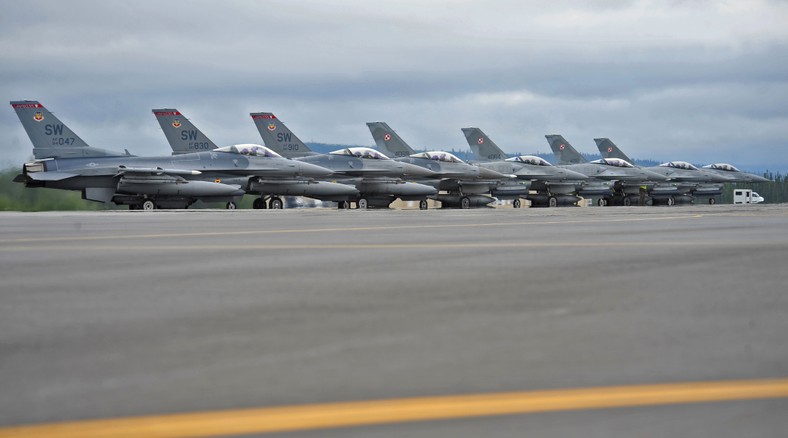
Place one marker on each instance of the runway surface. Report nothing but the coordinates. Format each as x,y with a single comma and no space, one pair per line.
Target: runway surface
127,314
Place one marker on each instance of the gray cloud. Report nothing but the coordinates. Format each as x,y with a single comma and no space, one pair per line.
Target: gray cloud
701,81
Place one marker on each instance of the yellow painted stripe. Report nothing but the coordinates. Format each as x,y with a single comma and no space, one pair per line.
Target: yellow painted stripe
324,416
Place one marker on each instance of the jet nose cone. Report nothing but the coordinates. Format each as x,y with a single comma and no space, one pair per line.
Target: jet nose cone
716,177
571,174
313,170
757,178
485,173
415,171
653,176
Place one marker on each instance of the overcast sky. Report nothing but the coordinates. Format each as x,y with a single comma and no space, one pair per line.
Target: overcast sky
701,81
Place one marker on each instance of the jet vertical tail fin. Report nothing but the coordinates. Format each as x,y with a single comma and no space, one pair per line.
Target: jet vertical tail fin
388,141
277,137
51,138
608,149
181,134
563,151
483,148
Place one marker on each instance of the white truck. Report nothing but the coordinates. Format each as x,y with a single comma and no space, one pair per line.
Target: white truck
746,196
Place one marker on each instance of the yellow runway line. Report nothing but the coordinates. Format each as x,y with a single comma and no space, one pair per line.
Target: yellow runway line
334,415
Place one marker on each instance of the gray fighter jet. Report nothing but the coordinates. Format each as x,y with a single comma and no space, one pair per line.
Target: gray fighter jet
552,185
378,178
686,182
626,178
64,161
732,173
463,185
184,137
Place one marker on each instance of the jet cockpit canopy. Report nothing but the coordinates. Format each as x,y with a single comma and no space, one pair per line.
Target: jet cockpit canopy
722,166
446,157
250,150
529,159
615,162
361,152
679,165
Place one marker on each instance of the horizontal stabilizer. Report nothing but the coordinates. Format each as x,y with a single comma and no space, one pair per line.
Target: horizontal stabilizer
50,176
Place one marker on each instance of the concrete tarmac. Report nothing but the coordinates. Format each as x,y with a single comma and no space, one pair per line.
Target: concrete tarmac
118,314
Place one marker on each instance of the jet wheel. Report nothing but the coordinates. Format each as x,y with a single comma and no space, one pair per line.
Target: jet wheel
343,205
259,204
552,202
671,201
231,205
423,204
712,201
275,203
148,205
465,203
362,203
516,203
627,201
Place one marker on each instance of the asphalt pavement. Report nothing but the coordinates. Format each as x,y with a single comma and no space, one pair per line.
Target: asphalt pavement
130,313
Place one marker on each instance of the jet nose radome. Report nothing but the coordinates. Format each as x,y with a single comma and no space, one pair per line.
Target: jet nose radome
415,171
652,176
717,177
572,175
312,170
485,173
756,178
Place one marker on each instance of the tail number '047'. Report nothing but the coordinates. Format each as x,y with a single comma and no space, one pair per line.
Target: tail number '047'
62,141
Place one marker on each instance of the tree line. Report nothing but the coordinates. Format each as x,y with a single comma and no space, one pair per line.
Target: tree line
773,192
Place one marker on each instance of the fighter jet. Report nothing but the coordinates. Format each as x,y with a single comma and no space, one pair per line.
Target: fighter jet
732,173
463,185
686,181
378,178
552,185
64,161
184,137
624,175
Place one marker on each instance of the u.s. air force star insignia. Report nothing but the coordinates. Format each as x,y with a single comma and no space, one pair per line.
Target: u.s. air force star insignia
271,127
176,123
38,116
